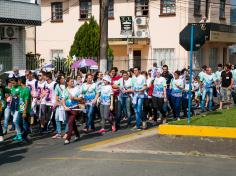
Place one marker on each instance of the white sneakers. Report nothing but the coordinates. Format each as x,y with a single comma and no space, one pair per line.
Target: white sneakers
1,139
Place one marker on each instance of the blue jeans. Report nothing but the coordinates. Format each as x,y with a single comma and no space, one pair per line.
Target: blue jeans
58,124
17,121
90,115
209,92
7,115
125,103
138,109
176,102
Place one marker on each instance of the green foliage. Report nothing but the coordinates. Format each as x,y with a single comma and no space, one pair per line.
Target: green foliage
86,40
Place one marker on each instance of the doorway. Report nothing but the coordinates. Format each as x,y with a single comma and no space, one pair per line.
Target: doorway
137,58
5,57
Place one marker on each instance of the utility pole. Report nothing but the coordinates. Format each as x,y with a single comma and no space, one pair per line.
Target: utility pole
103,35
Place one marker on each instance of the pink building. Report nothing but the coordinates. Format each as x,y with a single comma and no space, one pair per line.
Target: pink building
157,24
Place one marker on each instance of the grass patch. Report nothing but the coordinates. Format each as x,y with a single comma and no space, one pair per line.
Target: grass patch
225,118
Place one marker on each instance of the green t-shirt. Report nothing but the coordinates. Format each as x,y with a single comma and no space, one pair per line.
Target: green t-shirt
15,91
2,102
24,96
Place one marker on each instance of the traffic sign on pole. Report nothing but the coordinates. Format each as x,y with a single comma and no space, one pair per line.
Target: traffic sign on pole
198,39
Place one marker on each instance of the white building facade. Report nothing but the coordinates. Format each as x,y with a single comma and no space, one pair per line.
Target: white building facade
15,17
156,24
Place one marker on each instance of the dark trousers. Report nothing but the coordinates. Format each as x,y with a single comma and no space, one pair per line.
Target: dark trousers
147,108
71,115
158,106
1,132
185,107
25,126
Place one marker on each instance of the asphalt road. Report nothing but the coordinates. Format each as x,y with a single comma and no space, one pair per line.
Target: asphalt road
50,157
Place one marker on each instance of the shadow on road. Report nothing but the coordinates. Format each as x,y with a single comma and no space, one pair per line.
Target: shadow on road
12,156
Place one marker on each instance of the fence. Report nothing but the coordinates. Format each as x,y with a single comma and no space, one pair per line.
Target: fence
33,61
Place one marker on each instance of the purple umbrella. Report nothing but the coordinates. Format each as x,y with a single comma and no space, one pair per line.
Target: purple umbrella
83,63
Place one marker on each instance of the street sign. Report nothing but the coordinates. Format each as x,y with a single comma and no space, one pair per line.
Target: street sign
198,39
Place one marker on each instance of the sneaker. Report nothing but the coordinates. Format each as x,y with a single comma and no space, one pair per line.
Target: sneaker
178,119
76,138
1,139
85,130
102,131
135,128
65,136
164,121
15,138
66,142
144,125
113,128
56,136
4,132
159,119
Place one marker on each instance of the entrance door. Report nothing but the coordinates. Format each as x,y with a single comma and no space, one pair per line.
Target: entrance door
5,57
137,58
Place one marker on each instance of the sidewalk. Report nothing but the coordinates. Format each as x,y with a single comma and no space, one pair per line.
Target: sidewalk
170,145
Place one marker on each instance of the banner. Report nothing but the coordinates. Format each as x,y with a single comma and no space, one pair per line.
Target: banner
126,25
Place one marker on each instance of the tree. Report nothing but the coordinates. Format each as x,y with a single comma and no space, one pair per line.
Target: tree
86,40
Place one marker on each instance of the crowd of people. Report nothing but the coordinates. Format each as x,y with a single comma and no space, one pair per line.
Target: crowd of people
114,98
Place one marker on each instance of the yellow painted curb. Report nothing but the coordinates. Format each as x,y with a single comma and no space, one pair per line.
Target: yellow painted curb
207,131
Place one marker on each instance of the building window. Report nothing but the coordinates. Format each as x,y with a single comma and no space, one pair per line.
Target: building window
168,7
197,7
57,54
164,56
57,11
222,9
141,7
111,9
207,8
85,9
213,60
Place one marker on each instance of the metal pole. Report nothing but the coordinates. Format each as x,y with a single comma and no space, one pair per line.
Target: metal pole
191,74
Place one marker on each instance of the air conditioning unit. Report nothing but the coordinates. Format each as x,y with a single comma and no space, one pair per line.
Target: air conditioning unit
141,21
142,33
8,32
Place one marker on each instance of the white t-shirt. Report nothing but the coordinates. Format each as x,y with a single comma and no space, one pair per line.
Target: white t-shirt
40,90
89,92
106,92
159,85
32,86
175,91
73,92
50,97
138,83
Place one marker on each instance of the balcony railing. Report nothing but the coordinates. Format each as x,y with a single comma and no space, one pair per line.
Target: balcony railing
26,12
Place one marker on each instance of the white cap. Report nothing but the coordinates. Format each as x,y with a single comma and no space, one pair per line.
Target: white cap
107,78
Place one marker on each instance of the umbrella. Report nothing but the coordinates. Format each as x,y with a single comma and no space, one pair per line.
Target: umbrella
83,63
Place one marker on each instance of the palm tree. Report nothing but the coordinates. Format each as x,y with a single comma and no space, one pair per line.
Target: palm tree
68,62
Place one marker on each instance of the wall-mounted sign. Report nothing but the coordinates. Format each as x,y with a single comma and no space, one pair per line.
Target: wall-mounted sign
126,25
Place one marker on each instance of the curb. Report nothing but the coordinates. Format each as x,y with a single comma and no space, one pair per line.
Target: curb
206,131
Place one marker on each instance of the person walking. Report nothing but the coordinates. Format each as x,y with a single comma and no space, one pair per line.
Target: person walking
227,83
71,99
